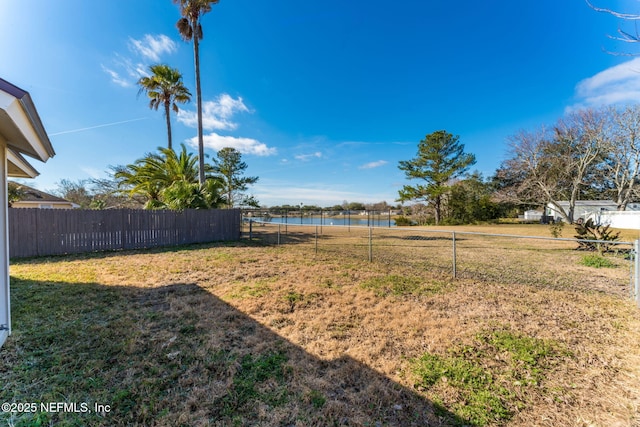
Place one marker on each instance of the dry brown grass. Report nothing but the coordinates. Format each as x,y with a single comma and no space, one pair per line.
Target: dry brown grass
350,345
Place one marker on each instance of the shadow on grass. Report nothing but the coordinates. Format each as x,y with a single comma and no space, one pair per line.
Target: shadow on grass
178,355
117,253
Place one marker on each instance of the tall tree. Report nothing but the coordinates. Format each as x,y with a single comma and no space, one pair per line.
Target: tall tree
440,159
470,200
191,30
230,167
94,194
77,192
621,166
164,87
557,164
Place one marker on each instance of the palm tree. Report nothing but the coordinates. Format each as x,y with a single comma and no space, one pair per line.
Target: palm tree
165,87
169,180
190,29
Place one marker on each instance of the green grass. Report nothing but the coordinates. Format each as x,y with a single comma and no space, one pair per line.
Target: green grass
401,286
596,261
317,399
486,375
248,384
253,290
92,335
131,350
483,400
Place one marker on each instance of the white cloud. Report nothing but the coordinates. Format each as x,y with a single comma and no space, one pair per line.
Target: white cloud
216,115
152,47
243,145
307,157
125,70
116,78
373,165
616,85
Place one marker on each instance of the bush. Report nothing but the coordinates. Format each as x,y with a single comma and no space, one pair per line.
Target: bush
556,228
590,231
403,221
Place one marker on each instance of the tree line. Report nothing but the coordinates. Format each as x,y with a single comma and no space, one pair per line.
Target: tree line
166,180
588,154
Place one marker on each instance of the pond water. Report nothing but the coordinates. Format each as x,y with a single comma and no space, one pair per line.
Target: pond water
353,220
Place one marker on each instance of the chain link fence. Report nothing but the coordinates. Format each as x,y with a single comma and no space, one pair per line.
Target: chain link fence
509,259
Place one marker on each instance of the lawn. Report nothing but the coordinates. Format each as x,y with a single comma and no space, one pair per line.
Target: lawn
247,334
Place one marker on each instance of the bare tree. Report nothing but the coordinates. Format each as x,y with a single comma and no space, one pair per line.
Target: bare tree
621,166
582,139
623,36
528,177
556,164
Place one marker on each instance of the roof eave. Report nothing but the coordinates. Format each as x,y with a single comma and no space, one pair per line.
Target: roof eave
25,131
18,167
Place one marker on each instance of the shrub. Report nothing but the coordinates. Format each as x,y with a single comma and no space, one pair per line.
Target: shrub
588,230
556,228
403,221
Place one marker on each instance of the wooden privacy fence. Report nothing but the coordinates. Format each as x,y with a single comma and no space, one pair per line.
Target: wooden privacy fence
42,232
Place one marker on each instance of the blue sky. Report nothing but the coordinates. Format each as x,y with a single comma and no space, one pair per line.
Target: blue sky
322,98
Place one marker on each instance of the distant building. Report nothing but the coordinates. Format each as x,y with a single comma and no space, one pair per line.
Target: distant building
603,212
532,215
585,208
32,198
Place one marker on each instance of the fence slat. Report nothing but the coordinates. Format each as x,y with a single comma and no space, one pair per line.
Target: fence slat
43,232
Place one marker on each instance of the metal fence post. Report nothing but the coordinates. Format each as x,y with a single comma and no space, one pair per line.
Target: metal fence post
278,234
250,229
370,244
316,239
453,238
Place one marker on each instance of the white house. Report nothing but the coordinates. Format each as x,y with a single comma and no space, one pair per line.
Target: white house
21,134
532,215
602,212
